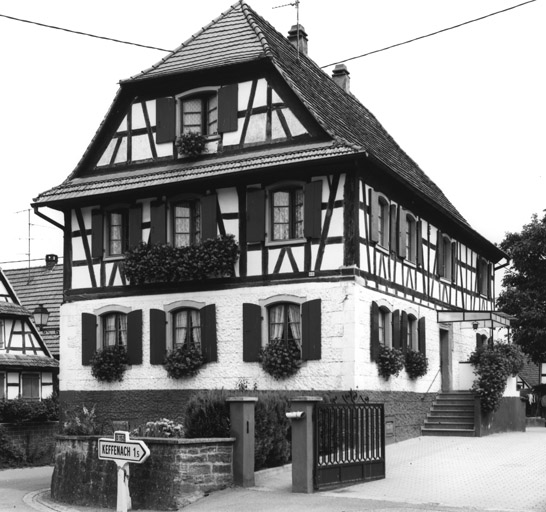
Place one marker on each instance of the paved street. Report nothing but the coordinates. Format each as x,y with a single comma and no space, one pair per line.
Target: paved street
497,473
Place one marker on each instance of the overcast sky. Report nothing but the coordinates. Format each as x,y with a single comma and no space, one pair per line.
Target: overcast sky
468,105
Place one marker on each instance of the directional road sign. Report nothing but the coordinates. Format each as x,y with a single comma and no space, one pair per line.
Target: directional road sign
122,449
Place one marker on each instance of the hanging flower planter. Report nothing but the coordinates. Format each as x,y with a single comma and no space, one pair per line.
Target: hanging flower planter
109,364
191,144
390,362
183,362
281,359
416,364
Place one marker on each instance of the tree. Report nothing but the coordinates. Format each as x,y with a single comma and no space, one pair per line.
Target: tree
524,293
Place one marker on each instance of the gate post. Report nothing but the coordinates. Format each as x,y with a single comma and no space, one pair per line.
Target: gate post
241,415
302,418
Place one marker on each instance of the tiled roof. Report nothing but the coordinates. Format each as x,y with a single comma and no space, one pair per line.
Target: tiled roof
530,373
9,308
183,171
39,285
27,361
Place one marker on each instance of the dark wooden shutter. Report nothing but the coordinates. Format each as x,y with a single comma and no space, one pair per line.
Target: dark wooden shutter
312,215
419,243
134,336
374,334
165,120
396,341
490,274
454,260
89,337
135,225
393,231
402,233
158,336
209,347
228,108
404,332
158,231
255,216
208,217
311,330
374,216
422,335
440,259
252,332
97,234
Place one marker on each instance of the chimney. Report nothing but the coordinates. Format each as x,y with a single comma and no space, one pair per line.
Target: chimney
340,76
298,37
51,260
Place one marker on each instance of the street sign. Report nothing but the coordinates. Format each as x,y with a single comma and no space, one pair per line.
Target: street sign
121,449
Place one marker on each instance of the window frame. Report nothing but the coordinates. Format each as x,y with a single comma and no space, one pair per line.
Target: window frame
195,210
2,334
383,221
3,390
411,237
124,227
266,304
412,332
102,314
35,376
171,310
292,188
204,95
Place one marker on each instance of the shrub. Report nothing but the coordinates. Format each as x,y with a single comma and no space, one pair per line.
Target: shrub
493,365
183,361
10,453
191,143
20,410
81,423
281,359
160,428
416,364
390,362
109,364
207,415
161,263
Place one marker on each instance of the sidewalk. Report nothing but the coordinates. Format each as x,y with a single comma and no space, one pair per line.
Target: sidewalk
497,473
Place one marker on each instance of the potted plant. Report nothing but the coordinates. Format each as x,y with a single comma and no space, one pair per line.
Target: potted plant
184,361
109,363
191,143
281,359
390,362
416,364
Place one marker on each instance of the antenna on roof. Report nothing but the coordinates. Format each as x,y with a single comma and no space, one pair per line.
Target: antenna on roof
296,3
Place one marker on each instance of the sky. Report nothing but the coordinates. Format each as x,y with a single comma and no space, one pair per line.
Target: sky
468,105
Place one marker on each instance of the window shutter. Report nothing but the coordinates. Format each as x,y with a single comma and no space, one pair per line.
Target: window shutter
404,332
393,233
374,335
208,333
134,336
419,243
165,130
374,216
208,217
421,335
312,215
490,274
97,235
311,330
135,225
440,260
158,231
396,341
158,336
402,233
89,337
252,332
255,216
454,265
228,108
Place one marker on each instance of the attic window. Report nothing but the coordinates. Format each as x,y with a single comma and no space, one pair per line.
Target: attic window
199,114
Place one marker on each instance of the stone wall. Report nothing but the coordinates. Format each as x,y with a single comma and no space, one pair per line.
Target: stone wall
177,472
36,440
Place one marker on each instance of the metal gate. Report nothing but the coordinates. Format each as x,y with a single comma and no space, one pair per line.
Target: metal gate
349,442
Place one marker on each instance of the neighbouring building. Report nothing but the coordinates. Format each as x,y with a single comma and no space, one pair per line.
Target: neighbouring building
345,245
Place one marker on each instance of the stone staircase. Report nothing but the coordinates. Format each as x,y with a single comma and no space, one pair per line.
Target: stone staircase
451,414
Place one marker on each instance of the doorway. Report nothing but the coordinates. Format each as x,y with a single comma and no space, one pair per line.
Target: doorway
445,359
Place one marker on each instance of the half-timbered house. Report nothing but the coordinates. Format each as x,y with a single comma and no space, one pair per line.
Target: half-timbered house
345,244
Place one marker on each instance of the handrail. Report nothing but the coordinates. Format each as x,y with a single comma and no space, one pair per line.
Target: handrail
426,392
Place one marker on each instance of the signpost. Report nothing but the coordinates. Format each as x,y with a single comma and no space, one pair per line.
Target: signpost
122,451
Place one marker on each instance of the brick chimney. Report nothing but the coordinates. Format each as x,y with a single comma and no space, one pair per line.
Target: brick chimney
51,260
297,34
340,76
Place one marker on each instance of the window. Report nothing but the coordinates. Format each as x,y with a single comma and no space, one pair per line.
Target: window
287,214
2,336
186,223
285,323
2,386
411,238
412,340
383,223
116,233
187,328
385,326
31,386
114,329
445,257
484,277
199,114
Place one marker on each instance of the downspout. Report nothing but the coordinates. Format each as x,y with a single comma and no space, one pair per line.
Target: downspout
48,219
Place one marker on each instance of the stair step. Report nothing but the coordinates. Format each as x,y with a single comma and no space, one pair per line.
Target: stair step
454,401
447,425
435,416
447,432
451,414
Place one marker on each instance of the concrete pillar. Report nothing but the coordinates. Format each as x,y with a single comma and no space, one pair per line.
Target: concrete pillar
302,442
241,415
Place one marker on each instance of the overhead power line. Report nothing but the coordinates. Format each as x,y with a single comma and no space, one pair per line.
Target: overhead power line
428,35
83,33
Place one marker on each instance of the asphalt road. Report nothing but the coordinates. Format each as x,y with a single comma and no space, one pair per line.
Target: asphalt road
16,483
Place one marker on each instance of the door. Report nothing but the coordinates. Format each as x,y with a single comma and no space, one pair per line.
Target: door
445,360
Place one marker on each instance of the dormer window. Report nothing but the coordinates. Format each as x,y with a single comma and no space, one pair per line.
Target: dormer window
199,114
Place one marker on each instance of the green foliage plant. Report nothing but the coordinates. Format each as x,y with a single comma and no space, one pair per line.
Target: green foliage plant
163,427
11,455
416,364
191,143
183,361
493,364
109,363
281,359
207,414
81,422
163,263
20,410
390,362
